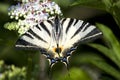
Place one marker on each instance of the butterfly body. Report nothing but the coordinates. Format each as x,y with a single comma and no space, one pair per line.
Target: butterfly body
57,38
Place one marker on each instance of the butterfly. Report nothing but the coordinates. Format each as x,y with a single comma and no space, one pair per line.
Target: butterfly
57,38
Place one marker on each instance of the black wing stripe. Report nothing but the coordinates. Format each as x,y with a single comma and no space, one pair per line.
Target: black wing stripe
25,44
87,26
80,28
76,21
63,21
56,24
28,35
69,24
92,34
45,28
35,35
50,22
38,27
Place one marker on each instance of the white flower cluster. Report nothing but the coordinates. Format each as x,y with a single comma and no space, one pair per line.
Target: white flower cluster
31,12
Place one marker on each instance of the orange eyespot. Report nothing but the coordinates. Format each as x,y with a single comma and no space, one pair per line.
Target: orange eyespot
58,50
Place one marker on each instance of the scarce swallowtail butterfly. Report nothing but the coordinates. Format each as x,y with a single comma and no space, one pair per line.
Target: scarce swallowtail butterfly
57,38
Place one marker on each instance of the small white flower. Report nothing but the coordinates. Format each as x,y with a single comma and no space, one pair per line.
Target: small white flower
31,12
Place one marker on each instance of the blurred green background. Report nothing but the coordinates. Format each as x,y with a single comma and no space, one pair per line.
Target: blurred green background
97,60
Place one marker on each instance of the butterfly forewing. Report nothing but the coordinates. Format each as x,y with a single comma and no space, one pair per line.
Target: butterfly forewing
77,30
36,37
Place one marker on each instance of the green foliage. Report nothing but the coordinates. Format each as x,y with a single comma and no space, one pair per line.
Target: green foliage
10,72
97,61
63,3
111,49
4,8
111,6
75,74
89,3
114,46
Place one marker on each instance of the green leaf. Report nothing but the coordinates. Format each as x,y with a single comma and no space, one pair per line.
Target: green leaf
108,4
89,3
99,62
114,9
63,3
111,39
107,68
75,74
11,72
106,51
116,14
117,4
4,8
86,57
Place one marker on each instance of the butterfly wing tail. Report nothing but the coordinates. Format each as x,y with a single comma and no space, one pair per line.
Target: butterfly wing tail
91,35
